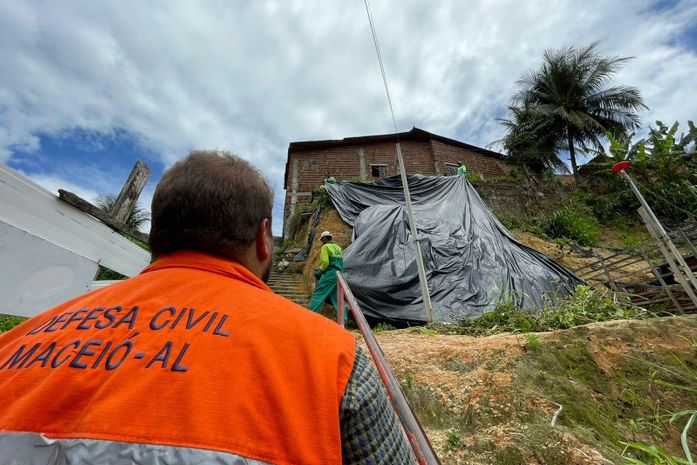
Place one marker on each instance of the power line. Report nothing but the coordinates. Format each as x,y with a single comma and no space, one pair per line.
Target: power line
403,173
380,62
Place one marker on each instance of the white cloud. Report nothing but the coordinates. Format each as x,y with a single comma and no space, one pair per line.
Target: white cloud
251,77
53,183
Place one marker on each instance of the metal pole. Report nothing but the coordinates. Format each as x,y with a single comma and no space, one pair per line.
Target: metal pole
415,236
661,231
340,306
417,437
660,279
667,255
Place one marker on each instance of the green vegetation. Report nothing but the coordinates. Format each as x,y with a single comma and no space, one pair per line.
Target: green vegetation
664,166
474,176
585,306
532,342
136,218
583,218
7,322
680,376
105,274
588,394
453,440
380,327
572,221
281,249
568,105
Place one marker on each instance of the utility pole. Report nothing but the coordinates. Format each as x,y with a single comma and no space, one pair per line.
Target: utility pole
402,171
415,237
130,192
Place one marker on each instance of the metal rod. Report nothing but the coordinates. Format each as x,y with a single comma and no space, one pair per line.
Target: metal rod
662,235
621,254
415,236
688,243
340,306
419,441
612,266
610,281
667,255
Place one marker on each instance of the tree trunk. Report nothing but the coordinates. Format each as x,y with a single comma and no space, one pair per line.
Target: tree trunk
572,154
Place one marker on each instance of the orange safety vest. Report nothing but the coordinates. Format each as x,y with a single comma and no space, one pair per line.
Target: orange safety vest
194,352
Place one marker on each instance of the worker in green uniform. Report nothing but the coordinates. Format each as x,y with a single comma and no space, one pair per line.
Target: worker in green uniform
461,168
331,260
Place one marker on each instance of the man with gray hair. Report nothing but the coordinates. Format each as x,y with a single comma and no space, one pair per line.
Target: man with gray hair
195,360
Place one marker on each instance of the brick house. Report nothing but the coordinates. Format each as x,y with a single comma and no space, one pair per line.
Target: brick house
373,157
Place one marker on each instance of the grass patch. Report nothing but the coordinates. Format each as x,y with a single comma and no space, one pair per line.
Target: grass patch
586,305
381,327
617,385
532,342
453,440
430,411
510,456
7,322
574,222
574,381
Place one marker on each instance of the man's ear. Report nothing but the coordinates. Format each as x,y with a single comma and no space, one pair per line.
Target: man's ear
264,240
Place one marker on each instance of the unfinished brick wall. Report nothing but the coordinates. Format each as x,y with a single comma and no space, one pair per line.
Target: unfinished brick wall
307,169
475,162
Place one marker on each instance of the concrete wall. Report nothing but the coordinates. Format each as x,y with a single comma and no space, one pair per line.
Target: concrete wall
49,250
503,198
36,274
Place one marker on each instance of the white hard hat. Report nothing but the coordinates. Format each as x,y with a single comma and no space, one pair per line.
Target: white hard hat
325,234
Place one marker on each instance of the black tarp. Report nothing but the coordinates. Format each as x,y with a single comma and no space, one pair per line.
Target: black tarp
472,261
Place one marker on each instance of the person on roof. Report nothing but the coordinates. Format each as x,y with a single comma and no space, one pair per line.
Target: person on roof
195,360
461,168
331,260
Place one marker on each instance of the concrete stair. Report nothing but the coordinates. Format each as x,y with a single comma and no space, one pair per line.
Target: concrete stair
287,284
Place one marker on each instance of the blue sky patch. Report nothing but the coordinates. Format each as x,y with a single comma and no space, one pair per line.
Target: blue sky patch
96,161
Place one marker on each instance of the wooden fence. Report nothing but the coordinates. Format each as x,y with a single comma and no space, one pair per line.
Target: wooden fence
653,276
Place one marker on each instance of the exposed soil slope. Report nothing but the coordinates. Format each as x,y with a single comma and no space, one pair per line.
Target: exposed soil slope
490,400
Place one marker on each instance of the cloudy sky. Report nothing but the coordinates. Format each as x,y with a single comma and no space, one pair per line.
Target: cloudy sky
87,88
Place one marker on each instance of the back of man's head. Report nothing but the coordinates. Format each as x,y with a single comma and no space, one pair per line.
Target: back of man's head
210,201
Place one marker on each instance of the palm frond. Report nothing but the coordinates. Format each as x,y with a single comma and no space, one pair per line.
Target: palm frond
137,218
571,94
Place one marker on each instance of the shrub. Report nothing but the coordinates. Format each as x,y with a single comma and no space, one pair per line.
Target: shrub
532,342
474,177
7,322
585,305
574,222
453,439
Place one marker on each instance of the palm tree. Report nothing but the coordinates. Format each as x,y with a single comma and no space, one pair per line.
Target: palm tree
137,217
569,96
528,141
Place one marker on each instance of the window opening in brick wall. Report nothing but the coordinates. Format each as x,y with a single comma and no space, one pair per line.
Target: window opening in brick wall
378,171
309,165
450,169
